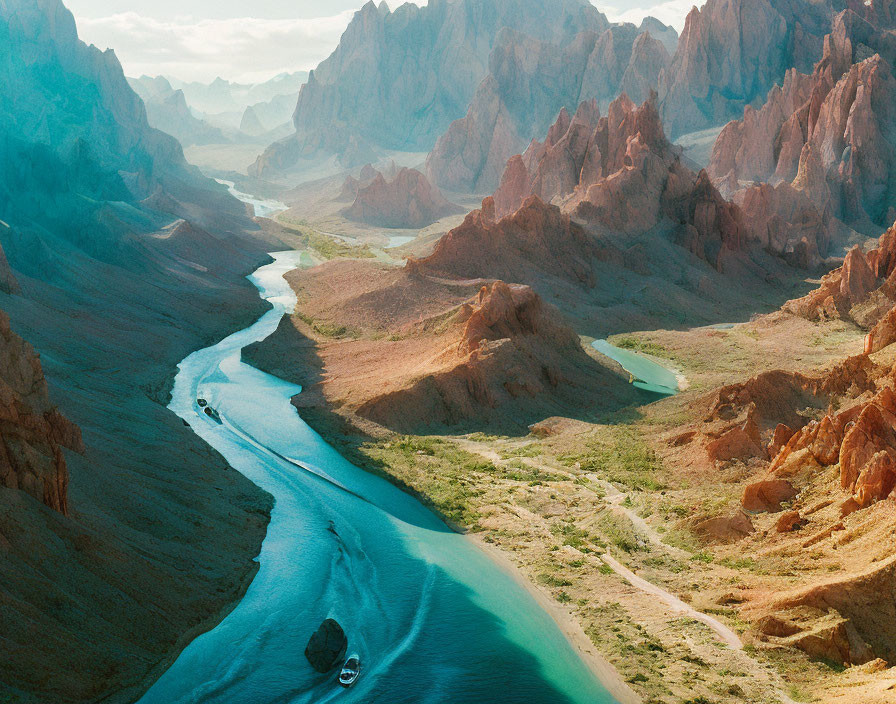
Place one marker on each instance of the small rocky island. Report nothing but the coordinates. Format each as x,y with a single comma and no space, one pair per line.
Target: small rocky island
327,646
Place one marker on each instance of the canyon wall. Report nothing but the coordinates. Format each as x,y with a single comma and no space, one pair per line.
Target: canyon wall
363,99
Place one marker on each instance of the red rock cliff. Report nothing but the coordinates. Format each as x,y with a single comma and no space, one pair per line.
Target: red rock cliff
32,431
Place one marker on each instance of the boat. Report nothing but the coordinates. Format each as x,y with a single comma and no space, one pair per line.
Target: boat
350,671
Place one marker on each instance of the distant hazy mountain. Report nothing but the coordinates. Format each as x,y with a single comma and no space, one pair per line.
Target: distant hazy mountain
398,79
167,110
95,145
273,114
221,96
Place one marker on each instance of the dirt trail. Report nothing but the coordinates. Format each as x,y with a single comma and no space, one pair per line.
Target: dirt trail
728,636
616,500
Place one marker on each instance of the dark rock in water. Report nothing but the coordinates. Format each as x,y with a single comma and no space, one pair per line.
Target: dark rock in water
326,648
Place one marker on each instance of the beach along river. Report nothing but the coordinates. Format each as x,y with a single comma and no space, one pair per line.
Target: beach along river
432,617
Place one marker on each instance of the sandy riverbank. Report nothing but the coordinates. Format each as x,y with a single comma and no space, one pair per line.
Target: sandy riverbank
608,676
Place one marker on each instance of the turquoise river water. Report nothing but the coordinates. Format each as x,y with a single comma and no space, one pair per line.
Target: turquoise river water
646,374
432,617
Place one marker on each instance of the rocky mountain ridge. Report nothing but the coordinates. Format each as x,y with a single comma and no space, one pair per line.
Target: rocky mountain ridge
805,136
529,81
731,52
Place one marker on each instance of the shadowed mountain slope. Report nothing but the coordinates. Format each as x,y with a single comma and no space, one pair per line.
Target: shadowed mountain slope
122,259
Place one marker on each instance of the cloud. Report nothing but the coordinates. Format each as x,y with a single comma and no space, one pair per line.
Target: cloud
671,12
243,49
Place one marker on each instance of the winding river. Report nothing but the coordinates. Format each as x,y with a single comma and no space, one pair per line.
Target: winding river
433,618
264,207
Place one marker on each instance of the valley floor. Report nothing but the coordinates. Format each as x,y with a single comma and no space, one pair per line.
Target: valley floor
599,518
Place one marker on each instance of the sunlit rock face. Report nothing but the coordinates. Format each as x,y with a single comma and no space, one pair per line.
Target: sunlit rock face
620,173
829,134
862,290
732,52
398,79
529,82
537,237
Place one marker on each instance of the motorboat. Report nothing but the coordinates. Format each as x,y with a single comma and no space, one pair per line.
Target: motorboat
213,414
351,670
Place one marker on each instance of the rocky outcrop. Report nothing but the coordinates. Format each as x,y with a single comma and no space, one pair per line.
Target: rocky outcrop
848,620
710,227
861,290
406,201
327,646
765,417
587,163
529,81
767,495
785,221
536,241
552,169
883,334
732,52
840,291
32,431
9,284
364,98
859,439
745,149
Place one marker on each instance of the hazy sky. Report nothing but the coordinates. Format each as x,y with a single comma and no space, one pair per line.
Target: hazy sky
253,41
